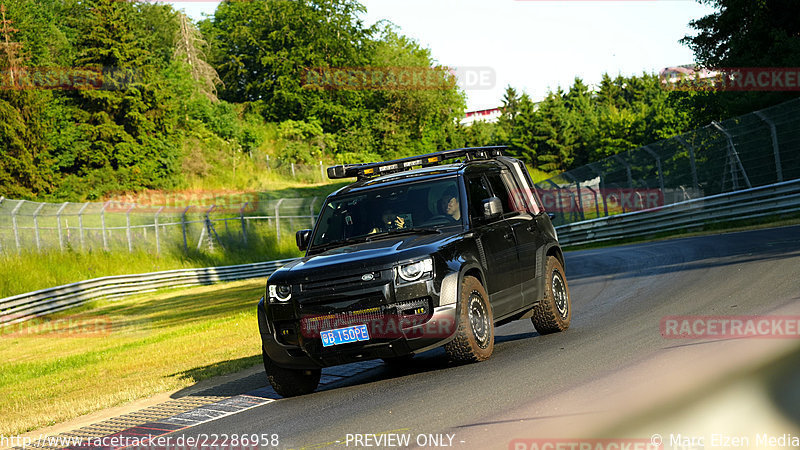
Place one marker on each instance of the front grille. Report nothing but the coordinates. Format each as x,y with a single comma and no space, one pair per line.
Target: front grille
356,281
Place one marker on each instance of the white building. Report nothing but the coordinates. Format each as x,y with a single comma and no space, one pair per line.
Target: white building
485,115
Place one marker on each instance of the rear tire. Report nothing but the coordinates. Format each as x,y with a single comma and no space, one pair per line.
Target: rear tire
474,339
290,382
554,312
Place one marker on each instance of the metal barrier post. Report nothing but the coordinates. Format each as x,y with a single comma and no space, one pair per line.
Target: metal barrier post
278,221
596,203
580,194
311,209
559,204
733,155
183,227
774,133
627,168
658,165
14,223
80,222
244,227
128,228
58,219
602,187
158,242
692,161
36,226
103,222
321,174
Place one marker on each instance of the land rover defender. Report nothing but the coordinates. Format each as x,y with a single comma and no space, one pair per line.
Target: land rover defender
420,252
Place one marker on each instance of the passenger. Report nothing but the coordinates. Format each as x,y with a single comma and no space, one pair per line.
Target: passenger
450,206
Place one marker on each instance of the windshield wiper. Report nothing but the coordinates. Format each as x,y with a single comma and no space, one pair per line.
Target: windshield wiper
403,231
329,245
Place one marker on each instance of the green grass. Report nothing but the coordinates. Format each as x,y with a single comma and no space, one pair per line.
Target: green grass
30,271
538,176
157,343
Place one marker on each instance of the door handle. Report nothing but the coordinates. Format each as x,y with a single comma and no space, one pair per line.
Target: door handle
508,236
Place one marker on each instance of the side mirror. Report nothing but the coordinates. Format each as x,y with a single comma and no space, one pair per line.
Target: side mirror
492,207
302,238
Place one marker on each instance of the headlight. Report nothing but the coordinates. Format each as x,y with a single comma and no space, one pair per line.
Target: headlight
280,292
415,271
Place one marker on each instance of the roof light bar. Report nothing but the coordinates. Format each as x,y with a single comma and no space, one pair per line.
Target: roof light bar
369,170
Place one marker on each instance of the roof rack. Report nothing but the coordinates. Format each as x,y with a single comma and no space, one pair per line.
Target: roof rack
369,170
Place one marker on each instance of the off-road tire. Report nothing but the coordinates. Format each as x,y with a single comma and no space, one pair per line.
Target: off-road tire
290,382
470,345
554,312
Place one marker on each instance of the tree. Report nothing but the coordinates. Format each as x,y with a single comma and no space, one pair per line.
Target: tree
742,33
123,122
189,47
11,49
748,33
554,134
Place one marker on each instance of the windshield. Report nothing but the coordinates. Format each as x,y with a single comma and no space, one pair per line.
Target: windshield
393,209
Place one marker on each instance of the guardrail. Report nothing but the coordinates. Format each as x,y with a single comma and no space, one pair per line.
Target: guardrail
22,307
744,204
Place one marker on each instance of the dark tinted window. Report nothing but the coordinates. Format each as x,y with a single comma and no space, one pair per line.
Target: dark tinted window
477,191
500,190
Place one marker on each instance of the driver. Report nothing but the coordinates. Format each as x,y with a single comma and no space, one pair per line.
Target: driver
389,221
450,206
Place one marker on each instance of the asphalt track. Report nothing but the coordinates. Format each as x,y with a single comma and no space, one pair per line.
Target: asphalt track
532,383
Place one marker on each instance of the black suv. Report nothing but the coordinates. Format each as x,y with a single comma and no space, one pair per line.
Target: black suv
414,255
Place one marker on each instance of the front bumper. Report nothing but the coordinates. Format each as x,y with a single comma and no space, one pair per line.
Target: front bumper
392,335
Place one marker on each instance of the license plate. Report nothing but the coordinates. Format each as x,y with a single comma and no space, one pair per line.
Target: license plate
344,335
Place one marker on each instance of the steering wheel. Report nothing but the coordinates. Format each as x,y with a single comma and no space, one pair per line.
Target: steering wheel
439,219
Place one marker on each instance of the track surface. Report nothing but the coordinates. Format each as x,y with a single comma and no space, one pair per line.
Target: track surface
619,296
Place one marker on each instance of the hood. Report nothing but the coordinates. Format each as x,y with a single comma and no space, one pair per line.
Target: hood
373,256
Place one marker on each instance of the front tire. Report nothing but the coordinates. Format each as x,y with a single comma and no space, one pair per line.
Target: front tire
290,382
554,312
474,339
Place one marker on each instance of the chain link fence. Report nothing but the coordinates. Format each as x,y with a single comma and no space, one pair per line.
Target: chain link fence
119,226
752,150
314,173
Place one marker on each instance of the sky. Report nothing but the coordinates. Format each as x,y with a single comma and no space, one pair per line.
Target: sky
534,45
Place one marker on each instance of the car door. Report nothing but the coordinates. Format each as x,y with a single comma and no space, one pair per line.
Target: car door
496,238
523,221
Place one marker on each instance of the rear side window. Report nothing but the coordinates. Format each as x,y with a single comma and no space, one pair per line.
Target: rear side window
526,196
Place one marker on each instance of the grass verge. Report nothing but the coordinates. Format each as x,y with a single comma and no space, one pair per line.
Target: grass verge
30,271
156,343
